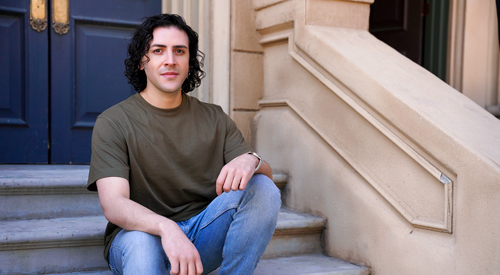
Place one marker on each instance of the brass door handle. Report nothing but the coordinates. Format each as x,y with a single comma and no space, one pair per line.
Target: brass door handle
60,16
38,15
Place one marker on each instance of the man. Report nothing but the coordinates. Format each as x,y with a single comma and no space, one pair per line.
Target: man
180,187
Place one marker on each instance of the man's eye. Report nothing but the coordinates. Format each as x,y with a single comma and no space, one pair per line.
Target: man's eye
157,51
179,51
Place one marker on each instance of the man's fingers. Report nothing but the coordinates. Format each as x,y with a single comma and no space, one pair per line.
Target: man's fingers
186,265
235,174
235,184
220,181
183,268
244,181
199,266
192,268
174,267
228,182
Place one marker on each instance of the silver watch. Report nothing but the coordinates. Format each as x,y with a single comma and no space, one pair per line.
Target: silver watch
257,156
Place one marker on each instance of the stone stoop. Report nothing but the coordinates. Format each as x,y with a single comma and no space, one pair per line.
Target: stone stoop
50,224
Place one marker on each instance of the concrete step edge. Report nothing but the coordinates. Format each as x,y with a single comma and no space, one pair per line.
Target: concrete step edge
43,179
291,222
42,188
310,264
50,233
280,180
89,230
17,180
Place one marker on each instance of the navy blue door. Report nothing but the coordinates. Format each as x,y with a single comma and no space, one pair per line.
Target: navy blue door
24,78
83,74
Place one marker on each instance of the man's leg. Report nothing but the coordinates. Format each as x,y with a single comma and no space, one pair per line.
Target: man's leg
236,227
232,232
135,252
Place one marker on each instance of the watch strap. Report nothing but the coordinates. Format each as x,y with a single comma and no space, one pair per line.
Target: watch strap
257,156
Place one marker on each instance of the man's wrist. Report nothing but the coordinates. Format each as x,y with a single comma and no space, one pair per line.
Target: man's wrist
258,157
166,226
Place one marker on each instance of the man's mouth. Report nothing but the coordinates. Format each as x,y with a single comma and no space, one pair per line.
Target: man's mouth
170,74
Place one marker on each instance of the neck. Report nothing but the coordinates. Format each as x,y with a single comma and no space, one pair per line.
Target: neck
162,100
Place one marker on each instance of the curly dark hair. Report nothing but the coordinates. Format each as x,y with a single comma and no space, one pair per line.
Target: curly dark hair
139,46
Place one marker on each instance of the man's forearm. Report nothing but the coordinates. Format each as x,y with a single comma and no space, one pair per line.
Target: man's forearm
265,169
130,215
125,213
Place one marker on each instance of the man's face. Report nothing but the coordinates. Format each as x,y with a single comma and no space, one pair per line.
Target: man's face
168,64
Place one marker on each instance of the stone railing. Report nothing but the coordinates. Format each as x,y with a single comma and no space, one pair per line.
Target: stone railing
405,168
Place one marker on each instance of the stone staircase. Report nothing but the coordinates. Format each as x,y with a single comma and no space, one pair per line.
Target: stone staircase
50,224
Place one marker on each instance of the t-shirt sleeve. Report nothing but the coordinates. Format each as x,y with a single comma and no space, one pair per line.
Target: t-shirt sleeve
109,153
235,144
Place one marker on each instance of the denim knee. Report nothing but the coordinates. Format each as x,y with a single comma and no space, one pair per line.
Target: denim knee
135,251
137,241
265,191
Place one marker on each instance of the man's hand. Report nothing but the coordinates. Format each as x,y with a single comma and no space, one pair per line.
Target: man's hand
181,253
236,174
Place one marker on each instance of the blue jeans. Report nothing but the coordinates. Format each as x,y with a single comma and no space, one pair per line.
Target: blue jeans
232,232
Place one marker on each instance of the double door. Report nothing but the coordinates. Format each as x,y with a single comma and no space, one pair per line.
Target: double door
61,65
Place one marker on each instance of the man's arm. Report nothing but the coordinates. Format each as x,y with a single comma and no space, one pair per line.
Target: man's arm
114,196
236,173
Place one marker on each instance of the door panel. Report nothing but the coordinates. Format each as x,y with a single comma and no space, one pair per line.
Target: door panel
13,98
23,86
98,47
88,70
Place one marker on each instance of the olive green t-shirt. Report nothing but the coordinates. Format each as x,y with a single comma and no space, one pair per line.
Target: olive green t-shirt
171,157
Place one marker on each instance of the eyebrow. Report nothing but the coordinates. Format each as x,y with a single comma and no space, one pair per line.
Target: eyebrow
163,46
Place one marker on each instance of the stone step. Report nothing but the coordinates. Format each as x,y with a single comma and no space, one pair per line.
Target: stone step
280,180
72,244
53,191
45,192
52,245
296,233
313,264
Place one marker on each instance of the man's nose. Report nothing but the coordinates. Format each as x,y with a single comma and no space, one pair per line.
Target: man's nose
169,59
